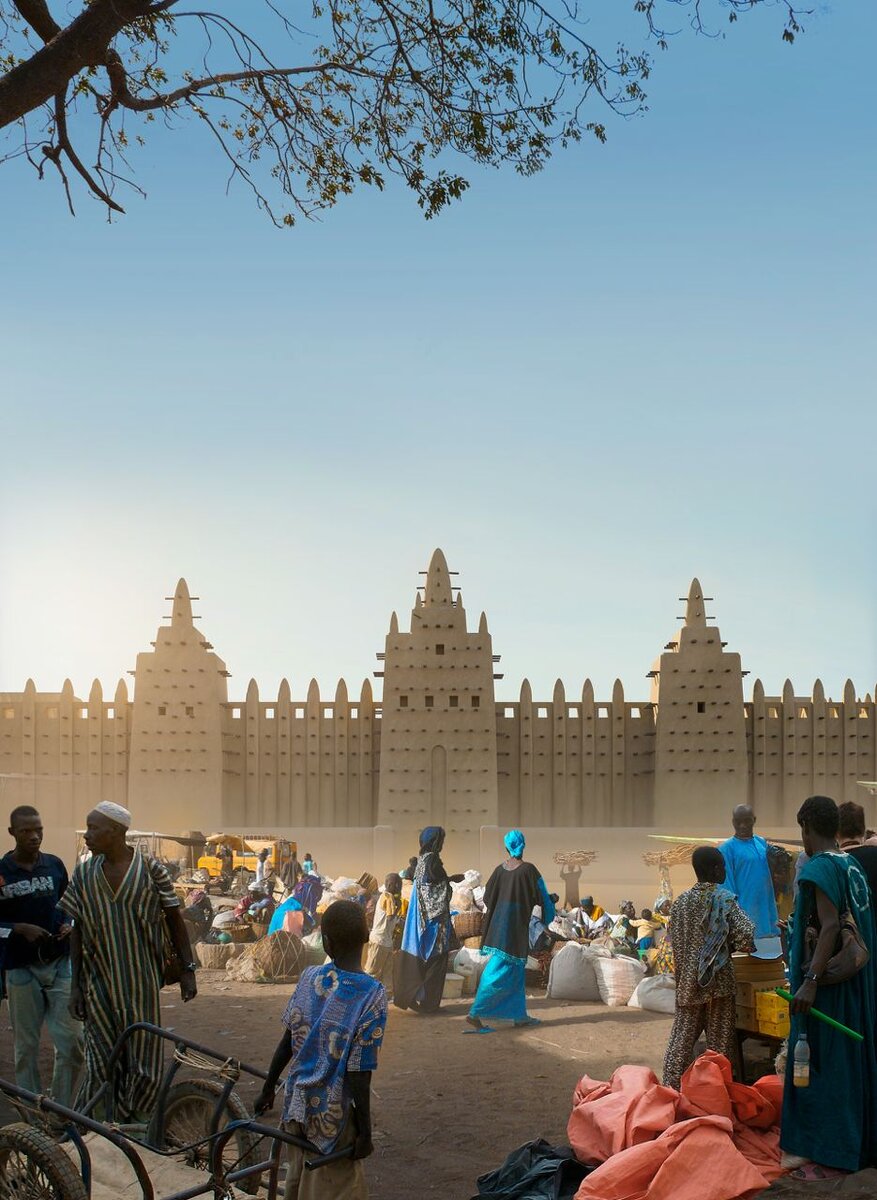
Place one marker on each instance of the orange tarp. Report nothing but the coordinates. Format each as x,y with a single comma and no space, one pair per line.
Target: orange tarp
712,1140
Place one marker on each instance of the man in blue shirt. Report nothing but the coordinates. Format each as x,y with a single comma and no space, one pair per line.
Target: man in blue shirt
748,877
35,958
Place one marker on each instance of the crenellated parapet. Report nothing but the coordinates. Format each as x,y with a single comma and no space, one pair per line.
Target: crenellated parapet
438,747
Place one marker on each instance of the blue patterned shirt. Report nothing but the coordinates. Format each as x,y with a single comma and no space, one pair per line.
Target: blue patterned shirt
336,1023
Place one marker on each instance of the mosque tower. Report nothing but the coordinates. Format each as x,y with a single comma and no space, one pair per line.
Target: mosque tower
701,763
180,689
438,722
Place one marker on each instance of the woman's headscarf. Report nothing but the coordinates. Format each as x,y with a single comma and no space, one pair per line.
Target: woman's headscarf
514,843
430,878
431,839
309,891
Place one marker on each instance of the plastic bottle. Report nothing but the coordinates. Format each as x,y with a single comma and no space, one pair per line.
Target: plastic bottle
801,1062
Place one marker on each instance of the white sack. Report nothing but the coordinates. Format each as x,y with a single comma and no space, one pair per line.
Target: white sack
655,994
617,978
571,975
469,963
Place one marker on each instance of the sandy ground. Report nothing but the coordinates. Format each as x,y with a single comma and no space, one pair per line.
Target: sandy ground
448,1106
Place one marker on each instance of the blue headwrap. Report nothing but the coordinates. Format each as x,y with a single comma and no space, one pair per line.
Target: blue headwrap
514,843
430,838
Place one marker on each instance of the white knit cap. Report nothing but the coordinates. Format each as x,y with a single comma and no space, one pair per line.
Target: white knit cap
114,812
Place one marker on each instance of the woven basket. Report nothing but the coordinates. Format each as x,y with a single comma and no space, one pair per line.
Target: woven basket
242,932
214,955
468,925
259,930
473,943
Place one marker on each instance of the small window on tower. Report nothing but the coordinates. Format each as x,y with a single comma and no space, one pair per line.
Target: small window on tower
476,701
190,711
162,710
454,701
403,701
701,706
429,701
440,648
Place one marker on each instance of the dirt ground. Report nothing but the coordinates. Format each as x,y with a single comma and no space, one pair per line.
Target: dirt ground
448,1106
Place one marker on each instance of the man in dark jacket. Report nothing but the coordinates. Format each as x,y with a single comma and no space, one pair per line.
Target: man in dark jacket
35,957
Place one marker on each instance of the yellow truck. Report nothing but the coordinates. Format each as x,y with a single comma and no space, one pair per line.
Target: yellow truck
236,854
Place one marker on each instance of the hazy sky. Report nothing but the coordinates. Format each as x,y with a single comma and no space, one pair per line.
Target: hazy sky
654,360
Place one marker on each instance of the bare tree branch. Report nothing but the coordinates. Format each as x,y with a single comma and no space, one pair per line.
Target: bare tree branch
387,87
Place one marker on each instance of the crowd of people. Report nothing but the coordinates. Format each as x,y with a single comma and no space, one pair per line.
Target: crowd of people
87,956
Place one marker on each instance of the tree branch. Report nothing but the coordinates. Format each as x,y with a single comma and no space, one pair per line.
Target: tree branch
82,44
37,15
64,146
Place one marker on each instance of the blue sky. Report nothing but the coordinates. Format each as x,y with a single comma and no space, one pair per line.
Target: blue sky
654,360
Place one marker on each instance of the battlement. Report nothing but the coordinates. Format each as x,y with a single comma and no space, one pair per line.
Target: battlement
438,747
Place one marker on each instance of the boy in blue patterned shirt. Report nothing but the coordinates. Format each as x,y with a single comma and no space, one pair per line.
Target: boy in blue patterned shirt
334,1026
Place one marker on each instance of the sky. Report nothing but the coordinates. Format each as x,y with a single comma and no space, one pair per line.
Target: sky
649,362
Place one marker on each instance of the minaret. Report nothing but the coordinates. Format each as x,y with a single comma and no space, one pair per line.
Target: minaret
701,768
175,772
438,722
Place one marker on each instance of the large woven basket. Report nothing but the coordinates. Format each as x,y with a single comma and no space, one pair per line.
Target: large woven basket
214,955
242,932
259,929
468,924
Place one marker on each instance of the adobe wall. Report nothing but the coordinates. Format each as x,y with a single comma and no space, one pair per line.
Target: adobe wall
438,748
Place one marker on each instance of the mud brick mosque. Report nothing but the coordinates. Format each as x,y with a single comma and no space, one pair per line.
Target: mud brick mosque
439,747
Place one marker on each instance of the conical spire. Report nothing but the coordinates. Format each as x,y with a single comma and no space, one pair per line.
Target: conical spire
438,581
695,612
182,613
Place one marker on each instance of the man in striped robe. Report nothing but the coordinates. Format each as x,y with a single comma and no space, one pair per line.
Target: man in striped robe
120,900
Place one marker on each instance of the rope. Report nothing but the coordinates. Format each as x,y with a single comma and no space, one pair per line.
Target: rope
230,1069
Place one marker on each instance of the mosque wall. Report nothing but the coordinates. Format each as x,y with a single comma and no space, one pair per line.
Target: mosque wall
439,747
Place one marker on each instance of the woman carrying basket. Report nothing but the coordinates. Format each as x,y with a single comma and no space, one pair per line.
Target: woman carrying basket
514,889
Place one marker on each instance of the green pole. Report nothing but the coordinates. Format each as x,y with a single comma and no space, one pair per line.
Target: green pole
821,1016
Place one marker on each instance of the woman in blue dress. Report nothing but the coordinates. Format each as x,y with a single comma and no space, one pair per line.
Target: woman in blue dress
514,889
420,967
833,1121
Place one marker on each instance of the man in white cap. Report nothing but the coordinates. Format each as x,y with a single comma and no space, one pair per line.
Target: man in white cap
121,902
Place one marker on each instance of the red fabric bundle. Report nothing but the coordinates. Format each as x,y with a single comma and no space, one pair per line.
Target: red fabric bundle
712,1140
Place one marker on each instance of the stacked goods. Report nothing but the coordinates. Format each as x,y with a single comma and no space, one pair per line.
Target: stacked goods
754,976
617,978
772,1013
275,959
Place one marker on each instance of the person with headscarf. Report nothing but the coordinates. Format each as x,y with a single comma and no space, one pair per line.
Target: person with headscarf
514,889
420,967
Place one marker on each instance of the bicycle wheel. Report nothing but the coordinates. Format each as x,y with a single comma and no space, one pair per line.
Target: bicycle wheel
32,1167
187,1117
